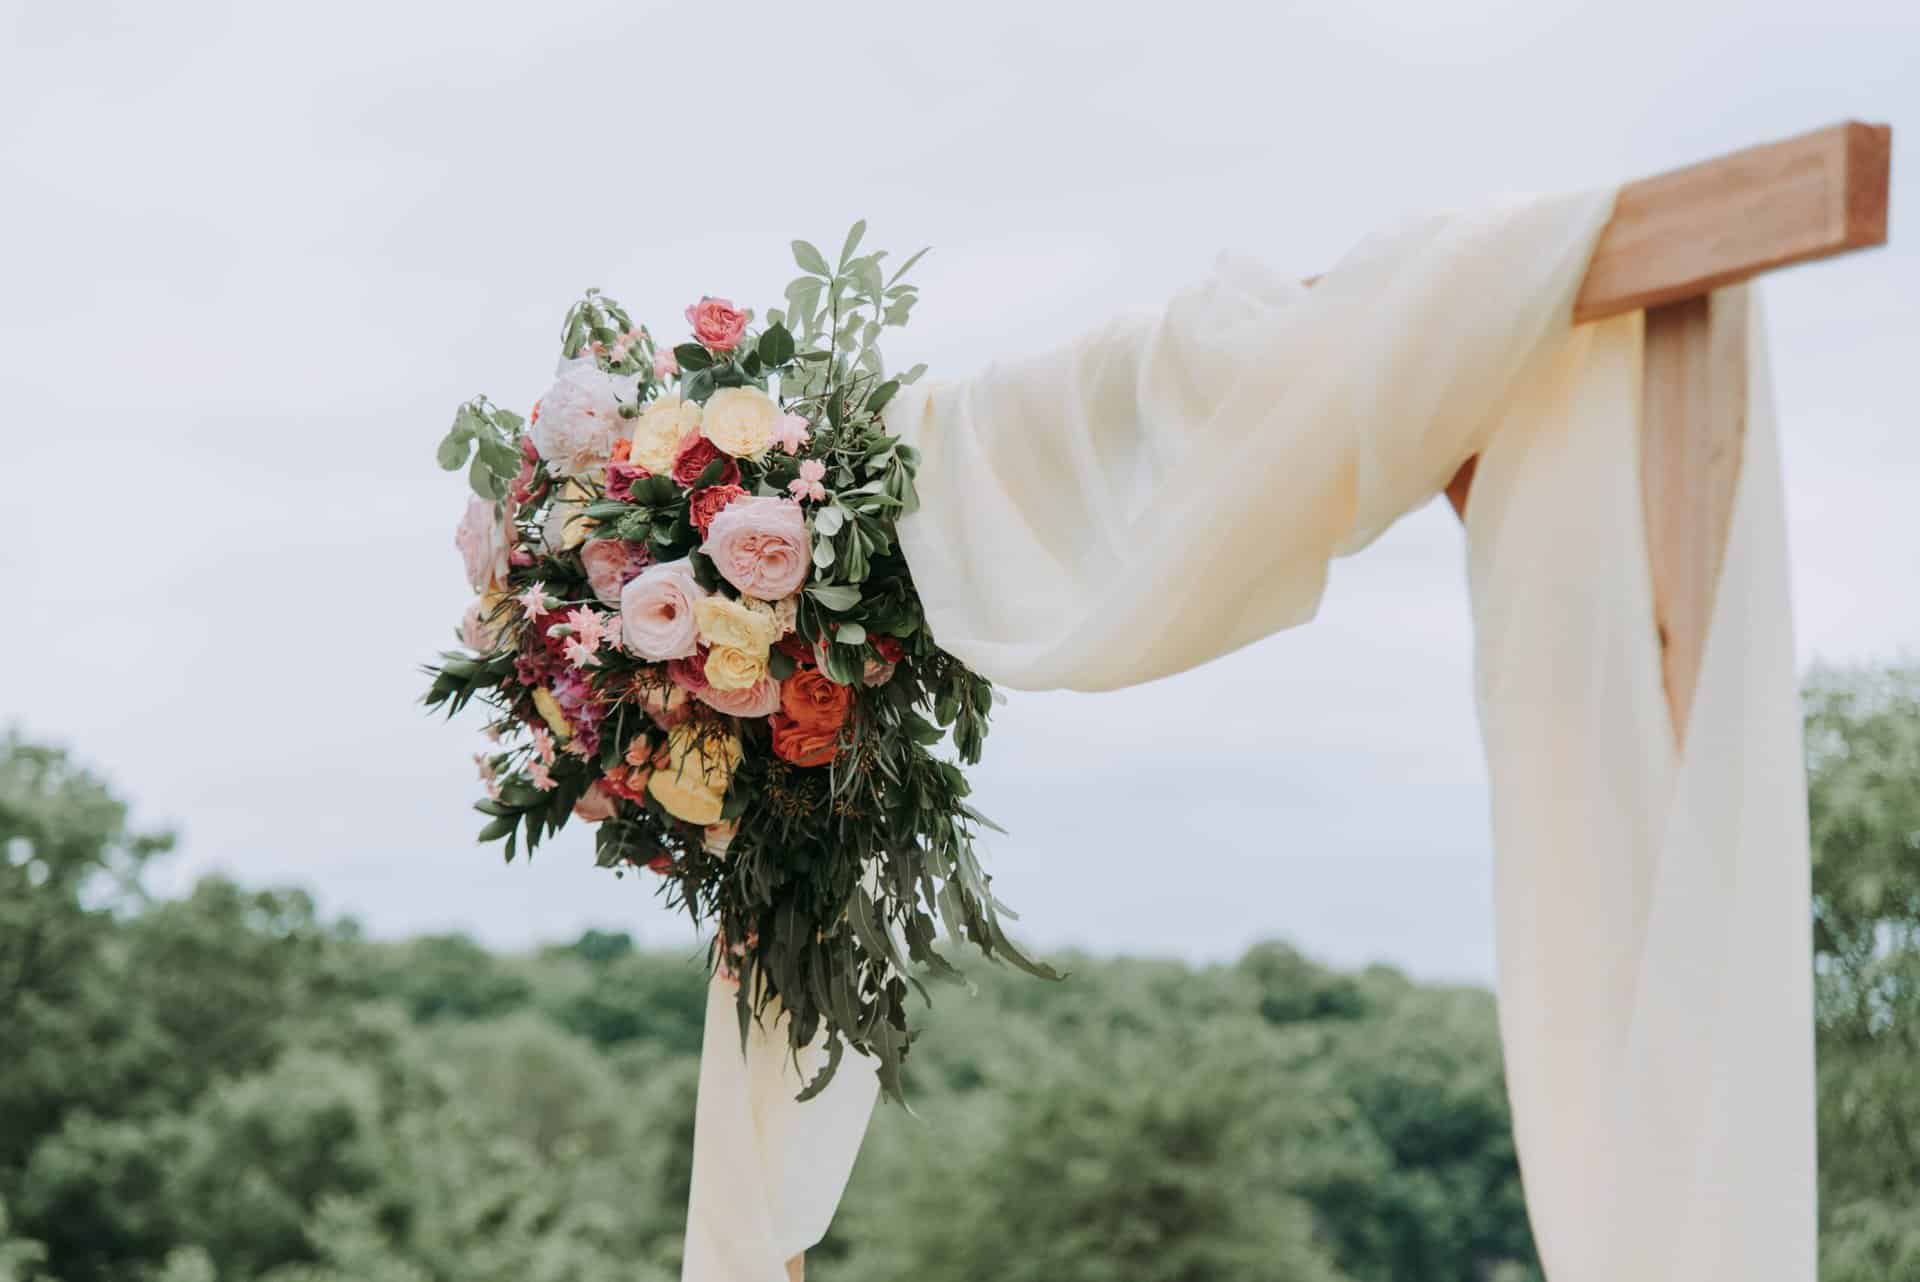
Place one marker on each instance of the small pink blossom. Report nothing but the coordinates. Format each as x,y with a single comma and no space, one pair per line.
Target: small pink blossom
580,654
534,600
541,776
665,363
588,625
543,744
790,432
808,486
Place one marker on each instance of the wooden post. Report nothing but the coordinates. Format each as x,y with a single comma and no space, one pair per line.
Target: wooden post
1678,246
1693,425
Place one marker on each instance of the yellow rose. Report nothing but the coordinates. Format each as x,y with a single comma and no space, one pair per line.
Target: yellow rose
692,803
566,529
724,621
739,421
658,431
549,708
731,669
693,784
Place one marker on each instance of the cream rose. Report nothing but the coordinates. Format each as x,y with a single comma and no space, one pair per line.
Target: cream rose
658,431
727,622
731,669
739,421
566,527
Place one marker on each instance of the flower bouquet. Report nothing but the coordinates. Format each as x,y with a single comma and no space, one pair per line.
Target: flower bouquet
694,629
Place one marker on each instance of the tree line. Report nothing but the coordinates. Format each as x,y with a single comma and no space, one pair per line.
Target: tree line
230,1087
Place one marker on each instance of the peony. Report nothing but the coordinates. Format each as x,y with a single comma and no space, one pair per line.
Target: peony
656,612
726,622
611,564
813,708
658,431
740,421
756,700
696,453
596,804
732,669
760,546
484,624
704,505
549,709
579,419
567,527
693,784
483,541
717,323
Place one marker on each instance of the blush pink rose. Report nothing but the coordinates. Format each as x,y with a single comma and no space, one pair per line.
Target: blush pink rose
760,546
482,540
717,323
656,612
757,700
611,564
690,673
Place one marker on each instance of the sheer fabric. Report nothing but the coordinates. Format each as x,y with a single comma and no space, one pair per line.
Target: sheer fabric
1174,485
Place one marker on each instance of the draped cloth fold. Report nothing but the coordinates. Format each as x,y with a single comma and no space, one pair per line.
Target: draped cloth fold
1174,485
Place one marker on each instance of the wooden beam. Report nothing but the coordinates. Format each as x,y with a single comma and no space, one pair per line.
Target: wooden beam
1693,427
1688,232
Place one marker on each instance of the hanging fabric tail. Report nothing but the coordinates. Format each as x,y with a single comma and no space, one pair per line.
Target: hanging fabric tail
1655,963
767,1169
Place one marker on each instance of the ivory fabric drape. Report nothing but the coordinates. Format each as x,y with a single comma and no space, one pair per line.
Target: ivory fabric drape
1173,486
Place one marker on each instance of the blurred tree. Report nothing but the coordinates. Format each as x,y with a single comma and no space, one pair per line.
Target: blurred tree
1863,756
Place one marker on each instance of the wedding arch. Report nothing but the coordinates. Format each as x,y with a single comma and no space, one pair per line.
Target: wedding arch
1609,446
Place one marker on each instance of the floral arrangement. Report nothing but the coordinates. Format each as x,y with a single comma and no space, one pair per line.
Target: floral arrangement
694,630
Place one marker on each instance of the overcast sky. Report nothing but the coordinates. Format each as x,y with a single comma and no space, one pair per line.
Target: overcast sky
255,253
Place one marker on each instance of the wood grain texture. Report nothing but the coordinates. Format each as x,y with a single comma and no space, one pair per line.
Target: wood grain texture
1685,233
1693,427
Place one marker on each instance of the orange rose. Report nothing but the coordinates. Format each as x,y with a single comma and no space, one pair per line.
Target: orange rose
806,730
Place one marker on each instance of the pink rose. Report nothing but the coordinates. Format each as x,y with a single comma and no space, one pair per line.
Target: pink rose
595,805
717,323
656,612
611,564
757,700
760,546
690,673
482,540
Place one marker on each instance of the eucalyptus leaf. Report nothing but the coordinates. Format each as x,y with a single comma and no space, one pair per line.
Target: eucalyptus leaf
810,259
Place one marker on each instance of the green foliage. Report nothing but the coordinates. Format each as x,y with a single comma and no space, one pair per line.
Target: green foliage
222,1088
1863,755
